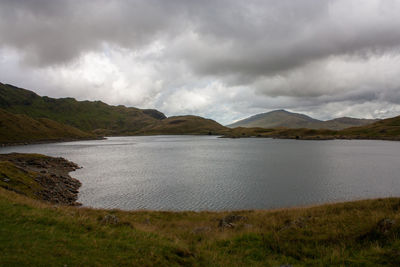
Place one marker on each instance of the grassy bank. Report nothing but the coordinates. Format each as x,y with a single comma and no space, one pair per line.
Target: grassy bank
362,233
38,233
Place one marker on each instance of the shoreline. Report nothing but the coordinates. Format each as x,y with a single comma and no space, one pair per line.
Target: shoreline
58,187
24,143
40,177
316,138
38,228
303,138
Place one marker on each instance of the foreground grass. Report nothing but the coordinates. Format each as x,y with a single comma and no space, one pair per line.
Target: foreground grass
362,233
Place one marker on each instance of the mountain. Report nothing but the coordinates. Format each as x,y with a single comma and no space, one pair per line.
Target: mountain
99,118
387,129
283,118
17,128
85,115
275,119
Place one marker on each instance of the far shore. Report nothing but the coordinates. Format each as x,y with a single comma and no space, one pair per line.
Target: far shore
306,138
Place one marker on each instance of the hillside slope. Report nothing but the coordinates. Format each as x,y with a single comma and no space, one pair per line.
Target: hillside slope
275,119
100,118
385,129
85,115
185,125
17,128
283,118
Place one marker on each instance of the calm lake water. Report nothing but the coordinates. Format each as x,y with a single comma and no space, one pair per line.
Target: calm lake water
210,173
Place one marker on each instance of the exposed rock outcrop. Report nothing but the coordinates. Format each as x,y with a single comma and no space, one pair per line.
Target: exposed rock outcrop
51,174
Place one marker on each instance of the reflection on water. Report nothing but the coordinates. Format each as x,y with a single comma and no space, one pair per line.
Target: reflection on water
210,173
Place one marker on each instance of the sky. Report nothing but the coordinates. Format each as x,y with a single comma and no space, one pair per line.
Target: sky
220,59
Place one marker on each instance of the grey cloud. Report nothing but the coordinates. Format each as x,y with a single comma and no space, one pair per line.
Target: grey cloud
243,37
53,32
299,55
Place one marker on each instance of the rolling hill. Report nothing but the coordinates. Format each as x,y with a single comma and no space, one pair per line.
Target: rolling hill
19,128
383,129
94,117
84,115
185,125
283,118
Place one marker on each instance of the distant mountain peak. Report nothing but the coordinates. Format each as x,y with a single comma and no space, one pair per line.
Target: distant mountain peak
283,118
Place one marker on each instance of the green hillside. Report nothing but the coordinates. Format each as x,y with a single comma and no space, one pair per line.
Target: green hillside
185,125
283,118
85,115
16,128
100,118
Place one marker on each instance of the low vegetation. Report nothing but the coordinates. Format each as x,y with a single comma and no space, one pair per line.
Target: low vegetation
185,125
37,233
17,128
92,118
87,116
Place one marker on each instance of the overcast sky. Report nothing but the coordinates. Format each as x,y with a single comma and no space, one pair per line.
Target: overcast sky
221,59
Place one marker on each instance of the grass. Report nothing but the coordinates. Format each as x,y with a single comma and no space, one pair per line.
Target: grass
35,233
16,128
18,180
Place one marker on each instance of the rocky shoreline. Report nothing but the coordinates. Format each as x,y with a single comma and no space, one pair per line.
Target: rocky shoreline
22,143
47,177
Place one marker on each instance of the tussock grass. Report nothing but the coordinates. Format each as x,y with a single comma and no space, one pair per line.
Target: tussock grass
360,233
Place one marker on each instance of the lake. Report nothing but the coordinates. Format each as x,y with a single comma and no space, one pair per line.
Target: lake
211,173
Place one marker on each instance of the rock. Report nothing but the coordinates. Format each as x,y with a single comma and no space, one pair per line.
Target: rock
110,219
385,225
51,173
300,222
228,221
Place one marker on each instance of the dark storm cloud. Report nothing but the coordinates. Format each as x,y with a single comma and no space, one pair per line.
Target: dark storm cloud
243,37
256,53
55,31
